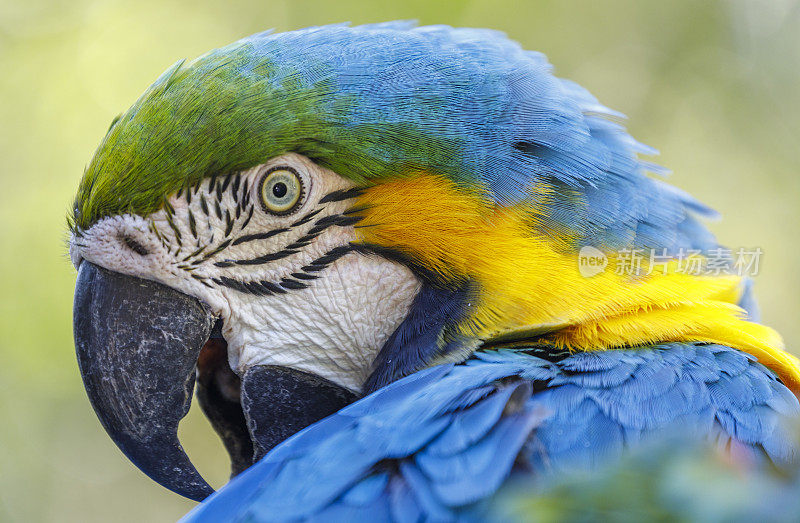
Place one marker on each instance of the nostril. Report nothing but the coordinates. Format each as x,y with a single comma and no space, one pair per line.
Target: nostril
135,246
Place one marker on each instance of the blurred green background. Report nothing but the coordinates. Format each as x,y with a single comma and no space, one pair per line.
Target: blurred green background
713,85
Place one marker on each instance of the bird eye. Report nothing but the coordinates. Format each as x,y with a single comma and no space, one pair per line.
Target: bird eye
281,190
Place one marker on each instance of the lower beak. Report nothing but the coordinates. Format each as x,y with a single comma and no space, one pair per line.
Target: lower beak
137,343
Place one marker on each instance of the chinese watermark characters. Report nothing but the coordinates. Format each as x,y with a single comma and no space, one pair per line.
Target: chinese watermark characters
642,262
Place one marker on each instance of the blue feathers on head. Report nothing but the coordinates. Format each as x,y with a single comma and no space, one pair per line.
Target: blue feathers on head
479,108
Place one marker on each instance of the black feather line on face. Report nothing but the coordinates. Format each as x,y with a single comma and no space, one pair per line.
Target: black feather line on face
223,186
134,245
307,218
288,283
265,288
202,280
155,231
304,276
266,258
270,287
175,230
221,247
195,253
341,195
258,236
217,188
228,223
247,220
192,223
237,179
319,226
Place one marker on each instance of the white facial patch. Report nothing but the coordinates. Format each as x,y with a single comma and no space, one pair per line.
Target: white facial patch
334,328
289,287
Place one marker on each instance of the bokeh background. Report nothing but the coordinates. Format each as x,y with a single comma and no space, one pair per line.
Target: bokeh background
713,84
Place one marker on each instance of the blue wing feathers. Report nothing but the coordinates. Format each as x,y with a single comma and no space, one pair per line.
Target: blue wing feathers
489,461
435,444
470,425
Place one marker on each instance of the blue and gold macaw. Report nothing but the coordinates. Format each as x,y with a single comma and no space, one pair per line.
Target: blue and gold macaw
375,236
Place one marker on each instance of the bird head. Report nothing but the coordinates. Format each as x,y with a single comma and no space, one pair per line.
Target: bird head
299,218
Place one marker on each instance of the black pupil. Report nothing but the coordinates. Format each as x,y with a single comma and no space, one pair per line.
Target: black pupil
279,190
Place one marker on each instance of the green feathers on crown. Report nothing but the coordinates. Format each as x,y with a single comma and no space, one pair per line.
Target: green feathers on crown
227,111
201,118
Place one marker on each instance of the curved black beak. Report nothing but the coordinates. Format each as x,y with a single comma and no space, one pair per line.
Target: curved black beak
137,343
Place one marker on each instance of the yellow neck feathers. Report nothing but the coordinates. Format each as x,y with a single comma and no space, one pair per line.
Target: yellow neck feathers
528,287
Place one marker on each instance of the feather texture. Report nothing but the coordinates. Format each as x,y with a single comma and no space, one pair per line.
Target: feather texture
441,442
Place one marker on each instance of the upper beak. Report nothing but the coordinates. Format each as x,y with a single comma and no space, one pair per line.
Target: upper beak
137,343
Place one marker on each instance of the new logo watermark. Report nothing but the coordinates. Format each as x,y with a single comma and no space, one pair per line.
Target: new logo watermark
642,262
591,261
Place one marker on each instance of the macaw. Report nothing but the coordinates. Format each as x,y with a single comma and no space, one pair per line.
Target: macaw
365,244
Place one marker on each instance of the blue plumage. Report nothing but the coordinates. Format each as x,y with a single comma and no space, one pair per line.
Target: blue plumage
478,107
440,442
